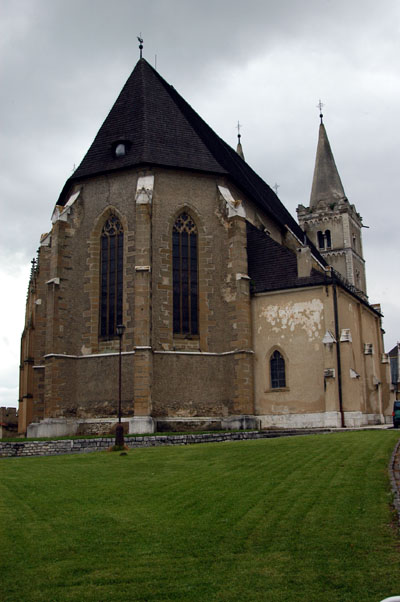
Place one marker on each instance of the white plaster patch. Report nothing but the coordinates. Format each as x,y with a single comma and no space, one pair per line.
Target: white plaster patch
228,294
306,315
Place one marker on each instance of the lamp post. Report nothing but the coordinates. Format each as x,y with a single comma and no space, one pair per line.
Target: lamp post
119,430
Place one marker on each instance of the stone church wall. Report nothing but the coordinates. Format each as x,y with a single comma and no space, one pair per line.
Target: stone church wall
76,371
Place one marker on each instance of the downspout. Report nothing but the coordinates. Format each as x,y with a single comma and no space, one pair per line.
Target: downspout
339,365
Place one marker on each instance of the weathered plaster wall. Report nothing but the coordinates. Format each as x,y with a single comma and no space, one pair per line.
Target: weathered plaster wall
294,323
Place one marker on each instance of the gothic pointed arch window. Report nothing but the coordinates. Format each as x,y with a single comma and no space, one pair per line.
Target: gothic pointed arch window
111,276
185,276
277,370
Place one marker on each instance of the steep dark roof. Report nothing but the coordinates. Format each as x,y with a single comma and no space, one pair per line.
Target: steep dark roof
146,115
272,266
162,129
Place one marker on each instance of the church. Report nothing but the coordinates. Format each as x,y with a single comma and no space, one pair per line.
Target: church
168,248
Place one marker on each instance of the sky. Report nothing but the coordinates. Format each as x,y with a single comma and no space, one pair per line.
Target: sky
265,63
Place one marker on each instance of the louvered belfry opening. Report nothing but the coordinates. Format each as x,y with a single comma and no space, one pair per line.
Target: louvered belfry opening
185,276
111,277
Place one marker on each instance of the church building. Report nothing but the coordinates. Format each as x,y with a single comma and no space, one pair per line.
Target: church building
235,316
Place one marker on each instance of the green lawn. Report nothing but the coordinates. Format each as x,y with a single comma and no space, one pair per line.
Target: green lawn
299,518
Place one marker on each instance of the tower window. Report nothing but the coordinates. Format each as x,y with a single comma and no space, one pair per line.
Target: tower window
324,239
185,276
277,370
328,239
111,266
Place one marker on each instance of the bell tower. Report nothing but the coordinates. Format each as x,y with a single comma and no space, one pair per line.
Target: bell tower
330,221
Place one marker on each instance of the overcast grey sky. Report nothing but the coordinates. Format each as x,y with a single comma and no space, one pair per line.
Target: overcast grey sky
266,63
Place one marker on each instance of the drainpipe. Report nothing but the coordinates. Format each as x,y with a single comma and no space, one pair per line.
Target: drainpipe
337,336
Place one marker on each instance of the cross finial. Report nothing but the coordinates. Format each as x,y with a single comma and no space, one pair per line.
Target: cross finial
319,106
140,40
239,125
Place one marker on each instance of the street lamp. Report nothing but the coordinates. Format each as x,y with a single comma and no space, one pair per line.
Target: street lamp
119,430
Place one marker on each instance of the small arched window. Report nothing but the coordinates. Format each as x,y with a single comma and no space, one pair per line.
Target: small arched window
111,270
277,370
185,276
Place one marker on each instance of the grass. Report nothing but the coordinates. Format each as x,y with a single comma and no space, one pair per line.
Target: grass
299,518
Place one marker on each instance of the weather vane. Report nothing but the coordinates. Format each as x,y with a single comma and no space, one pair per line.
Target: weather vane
319,106
140,40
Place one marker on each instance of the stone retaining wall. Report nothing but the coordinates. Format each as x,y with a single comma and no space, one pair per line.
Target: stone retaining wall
12,449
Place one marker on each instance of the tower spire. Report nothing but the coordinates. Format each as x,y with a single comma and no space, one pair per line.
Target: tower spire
327,185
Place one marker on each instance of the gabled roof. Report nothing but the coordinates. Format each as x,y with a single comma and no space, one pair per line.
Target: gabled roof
272,266
327,185
162,129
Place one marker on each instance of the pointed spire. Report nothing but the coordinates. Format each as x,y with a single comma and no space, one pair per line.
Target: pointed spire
326,186
239,148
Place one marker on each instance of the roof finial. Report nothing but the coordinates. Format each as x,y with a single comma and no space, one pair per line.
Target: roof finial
140,40
239,125
239,149
319,106
276,188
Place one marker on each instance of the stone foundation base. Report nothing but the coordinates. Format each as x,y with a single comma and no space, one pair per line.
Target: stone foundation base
317,420
64,427
140,425
241,423
176,424
375,419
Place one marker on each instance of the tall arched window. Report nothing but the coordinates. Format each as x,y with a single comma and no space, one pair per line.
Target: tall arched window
111,266
321,240
277,370
185,276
